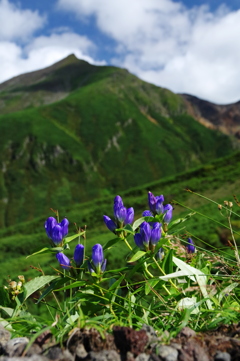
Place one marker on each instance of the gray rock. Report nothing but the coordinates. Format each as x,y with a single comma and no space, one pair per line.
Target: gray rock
222,356
142,357
32,358
104,355
16,346
80,351
167,353
5,336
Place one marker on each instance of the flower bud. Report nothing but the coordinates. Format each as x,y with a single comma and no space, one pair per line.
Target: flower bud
21,278
121,214
64,224
190,246
145,231
13,285
168,213
109,223
151,202
147,214
97,255
138,240
49,225
57,235
156,233
78,254
63,260
129,216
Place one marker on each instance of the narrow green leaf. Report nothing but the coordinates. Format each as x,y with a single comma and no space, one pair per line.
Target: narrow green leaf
55,284
137,256
111,243
137,223
71,238
72,285
46,250
149,284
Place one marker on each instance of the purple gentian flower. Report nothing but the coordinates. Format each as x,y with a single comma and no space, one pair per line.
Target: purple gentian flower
99,263
49,225
78,254
190,246
57,234
129,216
56,231
156,233
110,224
63,260
168,213
155,203
64,224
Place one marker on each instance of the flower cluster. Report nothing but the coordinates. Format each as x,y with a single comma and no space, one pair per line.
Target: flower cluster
56,231
149,235
156,207
78,257
122,215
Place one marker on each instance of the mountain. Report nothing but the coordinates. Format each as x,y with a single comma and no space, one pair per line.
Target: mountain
74,132
225,118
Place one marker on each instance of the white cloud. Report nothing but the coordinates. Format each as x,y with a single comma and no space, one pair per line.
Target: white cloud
17,23
187,50
42,52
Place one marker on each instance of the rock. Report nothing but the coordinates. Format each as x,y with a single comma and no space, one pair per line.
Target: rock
167,353
80,351
142,357
105,355
5,336
222,356
16,346
32,358
186,332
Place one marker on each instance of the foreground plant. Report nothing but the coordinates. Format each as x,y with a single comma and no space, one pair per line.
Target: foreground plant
163,275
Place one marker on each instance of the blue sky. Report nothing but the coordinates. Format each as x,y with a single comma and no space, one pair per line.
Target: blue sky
189,46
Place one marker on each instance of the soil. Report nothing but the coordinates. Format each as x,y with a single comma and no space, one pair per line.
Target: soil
126,344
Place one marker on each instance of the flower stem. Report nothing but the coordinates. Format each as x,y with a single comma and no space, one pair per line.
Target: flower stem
125,240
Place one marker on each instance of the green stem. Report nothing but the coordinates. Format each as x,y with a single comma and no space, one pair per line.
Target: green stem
161,270
125,240
235,244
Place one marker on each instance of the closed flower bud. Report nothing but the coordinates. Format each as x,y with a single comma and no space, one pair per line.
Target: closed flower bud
97,255
145,231
109,223
57,235
64,224
13,285
78,254
159,206
118,203
156,233
168,213
160,254
49,225
190,246
138,240
63,260
121,214
151,202
129,216
21,278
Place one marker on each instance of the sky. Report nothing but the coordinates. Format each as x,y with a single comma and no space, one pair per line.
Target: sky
188,46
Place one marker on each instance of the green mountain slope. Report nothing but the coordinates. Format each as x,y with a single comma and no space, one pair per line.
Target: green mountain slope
111,131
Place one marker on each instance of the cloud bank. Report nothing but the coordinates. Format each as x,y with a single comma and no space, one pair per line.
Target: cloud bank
186,50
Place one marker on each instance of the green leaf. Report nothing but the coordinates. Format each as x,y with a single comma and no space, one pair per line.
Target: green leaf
47,250
180,220
55,284
71,238
168,262
9,311
111,243
137,256
137,223
72,285
149,284
36,283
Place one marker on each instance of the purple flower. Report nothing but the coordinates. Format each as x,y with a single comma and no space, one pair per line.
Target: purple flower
97,255
49,225
57,234
147,213
129,216
139,240
78,254
110,224
145,231
155,203
190,246
56,231
64,224
99,263
63,260
156,233
168,213
121,214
